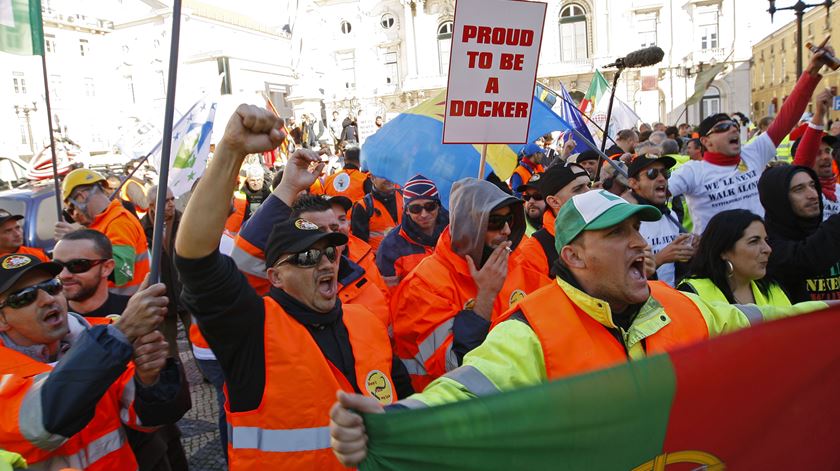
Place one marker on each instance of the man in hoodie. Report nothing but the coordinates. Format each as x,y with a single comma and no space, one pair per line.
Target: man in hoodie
377,213
415,238
669,241
443,309
727,177
806,250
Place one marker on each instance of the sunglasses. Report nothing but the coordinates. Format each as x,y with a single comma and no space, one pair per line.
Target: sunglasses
723,126
497,222
418,208
652,173
80,265
535,197
28,295
310,258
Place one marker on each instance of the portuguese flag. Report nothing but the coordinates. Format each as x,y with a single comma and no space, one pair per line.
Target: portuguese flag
762,398
597,87
21,27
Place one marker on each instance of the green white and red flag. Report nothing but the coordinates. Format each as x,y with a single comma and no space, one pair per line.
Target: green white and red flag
21,27
597,88
762,398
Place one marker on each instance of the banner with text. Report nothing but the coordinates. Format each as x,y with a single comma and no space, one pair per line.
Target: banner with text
492,71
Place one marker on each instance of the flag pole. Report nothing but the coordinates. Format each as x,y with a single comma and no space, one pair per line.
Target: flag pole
166,144
607,123
597,126
58,204
482,162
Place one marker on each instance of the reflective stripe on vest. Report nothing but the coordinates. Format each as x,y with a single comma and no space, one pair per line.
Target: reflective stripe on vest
473,379
279,441
751,312
429,346
248,263
89,455
31,418
412,403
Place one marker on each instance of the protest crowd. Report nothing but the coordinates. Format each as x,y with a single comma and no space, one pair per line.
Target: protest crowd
312,290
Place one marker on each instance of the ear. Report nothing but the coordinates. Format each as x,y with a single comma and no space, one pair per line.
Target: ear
4,325
573,256
705,141
633,183
108,268
554,202
275,277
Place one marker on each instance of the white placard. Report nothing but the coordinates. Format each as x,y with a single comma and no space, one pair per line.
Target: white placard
492,71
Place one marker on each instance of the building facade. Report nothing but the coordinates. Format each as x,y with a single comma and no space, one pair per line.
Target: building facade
774,61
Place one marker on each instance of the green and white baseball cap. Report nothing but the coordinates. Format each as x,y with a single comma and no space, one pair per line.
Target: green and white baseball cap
595,210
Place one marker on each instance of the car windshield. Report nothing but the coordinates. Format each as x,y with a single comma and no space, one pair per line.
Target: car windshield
13,206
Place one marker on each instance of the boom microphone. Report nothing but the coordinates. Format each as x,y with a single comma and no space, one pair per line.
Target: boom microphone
641,58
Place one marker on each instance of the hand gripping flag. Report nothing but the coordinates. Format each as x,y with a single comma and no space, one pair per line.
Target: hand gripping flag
411,143
761,398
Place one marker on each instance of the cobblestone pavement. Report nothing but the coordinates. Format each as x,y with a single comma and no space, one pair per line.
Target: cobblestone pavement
199,427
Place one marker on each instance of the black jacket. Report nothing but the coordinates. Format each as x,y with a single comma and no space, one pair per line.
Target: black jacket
804,250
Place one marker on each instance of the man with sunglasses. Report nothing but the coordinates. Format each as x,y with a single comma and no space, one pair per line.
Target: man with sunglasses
671,244
284,355
69,388
534,204
87,201
444,307
415,238
11,237
727,177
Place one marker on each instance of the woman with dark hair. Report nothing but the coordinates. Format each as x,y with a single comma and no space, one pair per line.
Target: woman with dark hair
731,262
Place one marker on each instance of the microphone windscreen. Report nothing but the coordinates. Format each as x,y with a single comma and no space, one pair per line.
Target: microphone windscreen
644,57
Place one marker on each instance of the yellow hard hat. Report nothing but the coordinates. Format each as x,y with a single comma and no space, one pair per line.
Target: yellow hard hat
79,177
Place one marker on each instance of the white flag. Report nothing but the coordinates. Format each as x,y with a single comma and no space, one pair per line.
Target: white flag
623,117
190,147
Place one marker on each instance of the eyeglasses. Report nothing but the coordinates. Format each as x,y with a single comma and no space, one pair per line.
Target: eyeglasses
28,295
80,265
418,208
310,258
497,222
652,173
723,126
533,196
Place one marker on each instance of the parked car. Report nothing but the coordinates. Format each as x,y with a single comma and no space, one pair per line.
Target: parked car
36,203
12,172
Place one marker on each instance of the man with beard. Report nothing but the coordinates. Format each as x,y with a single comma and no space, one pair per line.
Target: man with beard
530,164
534,204
600,312
415,238
806,250
285,354
669,241
444,307
377,213
85,256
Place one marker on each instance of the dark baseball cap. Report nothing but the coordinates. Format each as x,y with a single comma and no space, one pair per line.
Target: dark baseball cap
532,183
707,124
829,139
558,176
342,201
297,235
7,216
587,155
644,161
15,265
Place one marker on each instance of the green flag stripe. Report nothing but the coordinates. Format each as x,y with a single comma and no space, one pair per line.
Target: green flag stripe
36,25
23,32
608,419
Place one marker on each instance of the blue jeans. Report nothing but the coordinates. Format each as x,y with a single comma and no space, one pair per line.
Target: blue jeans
213,371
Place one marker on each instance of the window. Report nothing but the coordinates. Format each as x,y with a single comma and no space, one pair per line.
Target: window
19,83
347,68
391,68
387,21
772,72
707,25
783,70
84,47
90,89
573,33
346,27
55,86
24,137
646,29
444,40
49,43
710,104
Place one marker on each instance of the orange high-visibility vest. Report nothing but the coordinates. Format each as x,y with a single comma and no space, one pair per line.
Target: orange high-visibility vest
348,182
380,220
123,228
100,446
290,428
574,343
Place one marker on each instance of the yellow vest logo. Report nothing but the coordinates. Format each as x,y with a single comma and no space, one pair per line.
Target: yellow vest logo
516,296
708,461
379,387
